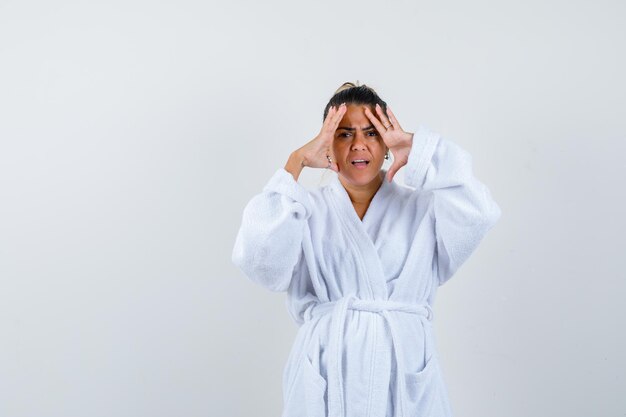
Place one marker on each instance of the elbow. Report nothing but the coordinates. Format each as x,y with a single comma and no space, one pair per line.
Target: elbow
270,278
489,210
493,215
266,275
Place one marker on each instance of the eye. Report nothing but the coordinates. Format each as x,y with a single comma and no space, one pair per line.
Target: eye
344,135
372,133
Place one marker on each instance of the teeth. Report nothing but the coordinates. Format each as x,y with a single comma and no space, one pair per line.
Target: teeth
359,160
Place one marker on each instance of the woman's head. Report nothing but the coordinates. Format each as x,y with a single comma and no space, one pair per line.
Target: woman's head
356,139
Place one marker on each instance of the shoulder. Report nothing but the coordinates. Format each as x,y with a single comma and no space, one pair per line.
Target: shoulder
400,194
318,198
406,195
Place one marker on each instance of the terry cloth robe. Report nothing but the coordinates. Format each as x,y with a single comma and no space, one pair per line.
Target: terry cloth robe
362,290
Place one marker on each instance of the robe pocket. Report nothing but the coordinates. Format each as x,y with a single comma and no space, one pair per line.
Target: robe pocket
314,375
422,390
308,393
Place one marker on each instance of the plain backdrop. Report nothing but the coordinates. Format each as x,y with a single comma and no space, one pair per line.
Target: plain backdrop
133,133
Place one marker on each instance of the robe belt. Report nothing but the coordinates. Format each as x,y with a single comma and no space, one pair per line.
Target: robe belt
338,309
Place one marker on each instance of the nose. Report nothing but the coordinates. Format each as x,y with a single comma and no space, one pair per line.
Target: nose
358,142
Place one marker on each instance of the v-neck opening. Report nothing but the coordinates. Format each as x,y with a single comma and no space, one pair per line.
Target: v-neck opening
382,189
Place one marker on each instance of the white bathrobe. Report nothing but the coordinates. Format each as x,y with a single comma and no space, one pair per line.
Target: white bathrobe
362,291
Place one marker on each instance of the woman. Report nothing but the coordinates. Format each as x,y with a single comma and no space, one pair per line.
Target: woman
361,259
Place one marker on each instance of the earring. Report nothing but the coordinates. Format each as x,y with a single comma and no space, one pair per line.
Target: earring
387,155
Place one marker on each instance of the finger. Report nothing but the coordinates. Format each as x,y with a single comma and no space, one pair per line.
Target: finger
379,126
329,115
383,117
393,120
341,110
331,122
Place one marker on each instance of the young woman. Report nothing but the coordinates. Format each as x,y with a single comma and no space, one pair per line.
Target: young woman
361,259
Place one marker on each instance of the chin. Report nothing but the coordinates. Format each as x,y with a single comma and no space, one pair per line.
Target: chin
360,178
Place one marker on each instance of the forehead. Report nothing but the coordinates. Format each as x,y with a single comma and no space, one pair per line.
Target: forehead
355,116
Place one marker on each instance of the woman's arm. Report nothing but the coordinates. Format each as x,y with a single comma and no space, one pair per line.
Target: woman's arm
463,207
268,245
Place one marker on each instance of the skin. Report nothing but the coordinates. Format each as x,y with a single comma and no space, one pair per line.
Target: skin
354,131
356,137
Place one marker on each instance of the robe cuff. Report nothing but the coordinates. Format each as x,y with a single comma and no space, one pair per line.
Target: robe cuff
422,150
282,182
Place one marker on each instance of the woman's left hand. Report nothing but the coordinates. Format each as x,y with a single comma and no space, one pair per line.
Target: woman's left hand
397,140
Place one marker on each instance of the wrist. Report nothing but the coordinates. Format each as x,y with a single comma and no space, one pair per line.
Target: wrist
298,158
295,164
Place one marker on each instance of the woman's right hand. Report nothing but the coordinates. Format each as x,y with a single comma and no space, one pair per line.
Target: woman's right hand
316,152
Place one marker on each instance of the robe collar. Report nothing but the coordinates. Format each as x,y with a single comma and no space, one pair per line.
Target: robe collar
364,248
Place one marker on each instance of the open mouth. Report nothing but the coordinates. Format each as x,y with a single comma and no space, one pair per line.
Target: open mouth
360,162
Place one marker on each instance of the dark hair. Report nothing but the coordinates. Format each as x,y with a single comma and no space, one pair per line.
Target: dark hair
350,93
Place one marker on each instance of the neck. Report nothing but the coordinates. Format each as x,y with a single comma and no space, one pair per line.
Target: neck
363,194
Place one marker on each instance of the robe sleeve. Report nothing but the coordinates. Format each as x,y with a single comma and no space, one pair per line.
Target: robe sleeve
268,246
463,208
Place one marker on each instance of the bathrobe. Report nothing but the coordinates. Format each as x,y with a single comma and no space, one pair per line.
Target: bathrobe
362,291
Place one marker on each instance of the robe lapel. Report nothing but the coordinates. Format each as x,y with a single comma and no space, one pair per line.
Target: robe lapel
364,247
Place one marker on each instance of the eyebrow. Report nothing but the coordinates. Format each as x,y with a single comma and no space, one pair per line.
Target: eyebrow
370,127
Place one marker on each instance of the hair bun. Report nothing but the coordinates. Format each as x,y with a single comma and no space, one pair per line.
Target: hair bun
345,86
349,84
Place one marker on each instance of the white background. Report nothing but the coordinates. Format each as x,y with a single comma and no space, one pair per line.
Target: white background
132,134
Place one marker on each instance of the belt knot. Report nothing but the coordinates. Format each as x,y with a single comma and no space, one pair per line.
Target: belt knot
373,306
338,309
